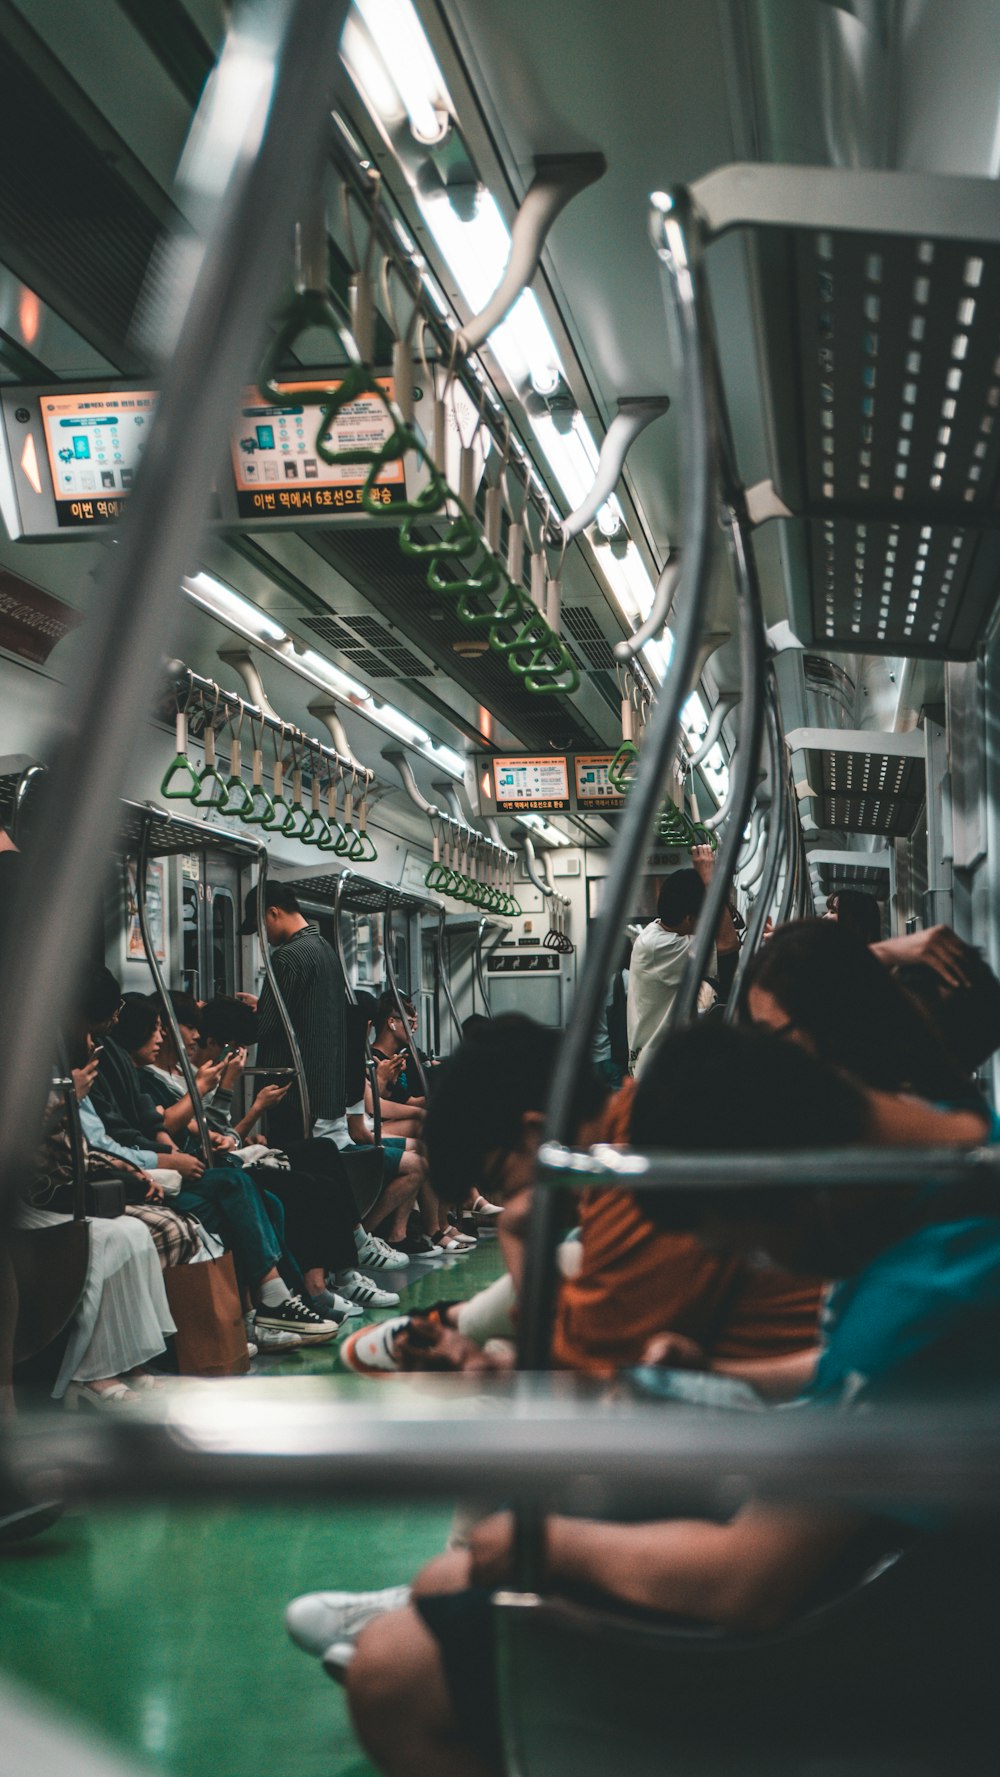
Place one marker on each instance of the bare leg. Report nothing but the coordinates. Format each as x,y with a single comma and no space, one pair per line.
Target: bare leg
396,1201
400,1704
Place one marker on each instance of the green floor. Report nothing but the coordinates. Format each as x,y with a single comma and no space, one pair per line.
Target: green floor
162,1627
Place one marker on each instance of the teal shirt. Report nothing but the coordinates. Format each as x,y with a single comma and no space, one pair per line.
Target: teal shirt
922,1318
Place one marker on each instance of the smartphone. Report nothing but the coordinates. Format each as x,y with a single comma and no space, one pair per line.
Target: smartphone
95,1051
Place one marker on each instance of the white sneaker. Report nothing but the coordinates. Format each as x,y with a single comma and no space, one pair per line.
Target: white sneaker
377,1255
268,1341
363,1292
319,1619
371,1351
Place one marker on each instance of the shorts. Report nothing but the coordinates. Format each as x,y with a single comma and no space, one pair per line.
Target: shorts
462,1625
394,1146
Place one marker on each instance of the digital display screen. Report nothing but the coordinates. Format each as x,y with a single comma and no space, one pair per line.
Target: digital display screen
94,445
278,470
593,791
531,783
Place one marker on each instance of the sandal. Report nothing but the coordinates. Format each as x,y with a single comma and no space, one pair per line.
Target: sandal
484,1211
98,1400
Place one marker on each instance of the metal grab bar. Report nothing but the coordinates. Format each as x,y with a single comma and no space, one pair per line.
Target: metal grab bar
401,1012
793,855
167,1012
484,926
262,128
272,982
539,1441
775,846
743,769
230,702
792,1168
444,973
538,1289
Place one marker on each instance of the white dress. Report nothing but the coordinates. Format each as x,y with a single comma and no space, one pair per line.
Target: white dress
123,1314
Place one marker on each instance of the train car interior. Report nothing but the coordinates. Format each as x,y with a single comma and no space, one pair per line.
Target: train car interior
499,673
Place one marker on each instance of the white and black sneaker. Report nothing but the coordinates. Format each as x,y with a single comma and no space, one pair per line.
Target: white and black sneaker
377,1255
363,1292
294,1316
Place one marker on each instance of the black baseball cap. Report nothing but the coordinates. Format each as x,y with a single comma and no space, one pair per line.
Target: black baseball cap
276,894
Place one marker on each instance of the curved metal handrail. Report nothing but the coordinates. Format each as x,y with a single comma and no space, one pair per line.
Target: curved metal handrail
272,981
671,244
390,975
776,840
743,768
444,973
166,1003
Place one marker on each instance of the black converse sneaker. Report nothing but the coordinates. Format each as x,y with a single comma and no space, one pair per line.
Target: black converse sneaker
293,1316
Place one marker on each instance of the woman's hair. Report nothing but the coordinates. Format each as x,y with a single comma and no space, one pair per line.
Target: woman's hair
186,1008
857,913
833,990
967,1018
137,1021
713,1087
480,1094
226,1020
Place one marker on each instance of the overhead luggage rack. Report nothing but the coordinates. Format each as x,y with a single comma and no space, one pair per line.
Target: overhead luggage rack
878,296
833,870
357,894
863,781
171,834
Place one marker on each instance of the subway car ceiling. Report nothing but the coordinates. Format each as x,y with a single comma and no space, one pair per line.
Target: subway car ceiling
99,101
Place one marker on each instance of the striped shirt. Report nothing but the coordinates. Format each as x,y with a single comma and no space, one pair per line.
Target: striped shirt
311,982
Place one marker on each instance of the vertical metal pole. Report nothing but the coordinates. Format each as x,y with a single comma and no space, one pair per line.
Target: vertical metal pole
744,767
166,1004
775,844
445,974
397,997
272,982
260,138
480,968
677,252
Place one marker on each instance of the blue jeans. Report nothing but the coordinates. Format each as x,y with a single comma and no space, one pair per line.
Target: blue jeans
229,1204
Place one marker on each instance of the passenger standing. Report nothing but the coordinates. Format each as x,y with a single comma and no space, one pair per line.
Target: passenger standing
660,953
311,982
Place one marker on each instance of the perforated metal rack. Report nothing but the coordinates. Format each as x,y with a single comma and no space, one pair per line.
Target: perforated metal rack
863,781
878,299
872,871
170,835
357,894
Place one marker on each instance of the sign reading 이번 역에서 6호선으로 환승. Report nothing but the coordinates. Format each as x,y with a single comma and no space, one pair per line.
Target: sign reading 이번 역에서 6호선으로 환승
524,783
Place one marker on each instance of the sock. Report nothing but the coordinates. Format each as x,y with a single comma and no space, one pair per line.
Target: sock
275,1292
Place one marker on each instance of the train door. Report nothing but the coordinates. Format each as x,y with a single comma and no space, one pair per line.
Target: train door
211,903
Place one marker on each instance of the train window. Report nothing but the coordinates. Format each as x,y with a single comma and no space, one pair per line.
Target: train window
190,970
223,942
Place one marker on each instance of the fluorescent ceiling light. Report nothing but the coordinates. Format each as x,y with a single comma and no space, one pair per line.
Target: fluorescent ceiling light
572,455
340,683
222,601
396,39
238,613
625,572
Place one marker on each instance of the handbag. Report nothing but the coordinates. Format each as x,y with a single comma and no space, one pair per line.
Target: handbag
205,1303
105,1197
364,1168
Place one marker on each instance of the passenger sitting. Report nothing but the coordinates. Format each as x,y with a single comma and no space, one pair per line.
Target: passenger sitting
226,1201
921,1311
966,1015
856,913
310,1185
123,1315
817,985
